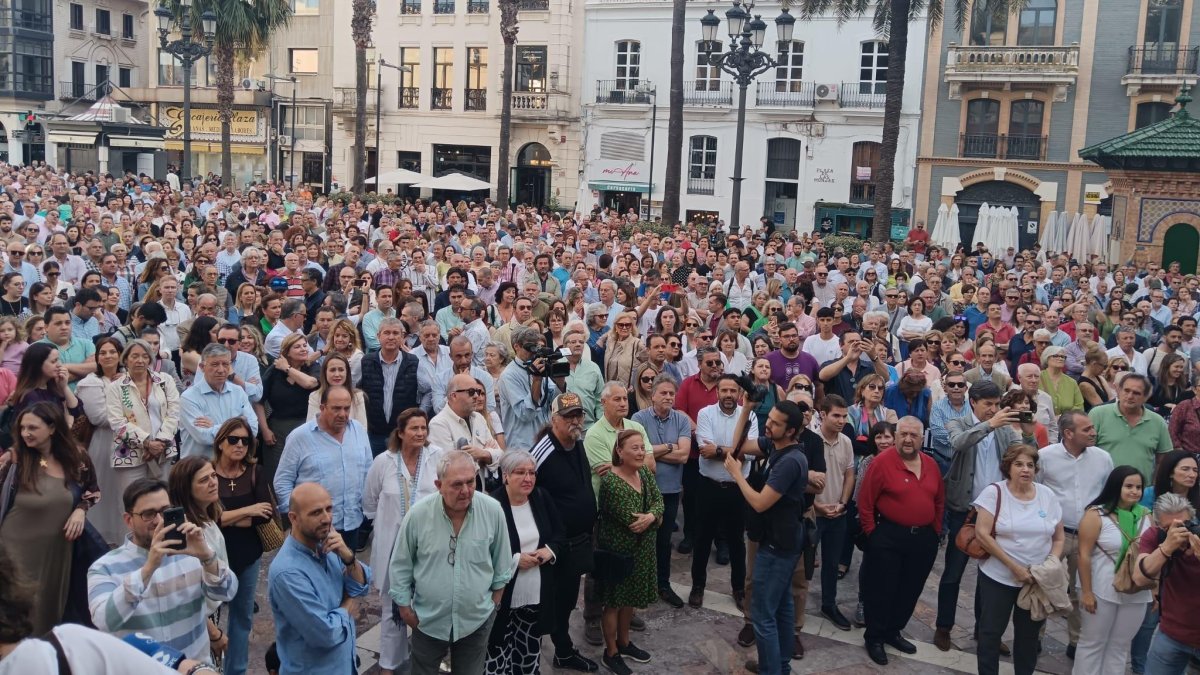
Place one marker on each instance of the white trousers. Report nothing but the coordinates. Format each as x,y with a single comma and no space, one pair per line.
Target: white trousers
1105,636
393,639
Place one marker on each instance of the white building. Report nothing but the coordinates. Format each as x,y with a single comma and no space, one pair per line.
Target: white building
813,124
442,111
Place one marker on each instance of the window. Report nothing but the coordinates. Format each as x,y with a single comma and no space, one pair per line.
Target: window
473,160
530,68
312,168
872,69
103,22
410,6
78,79
702,165
629,64
790,72
1162,23
127,26
33,68
443,77
864,165
310,122
410,79
76,16
408,159
306,7
477,7
1037,23
124,78
28,14
443,6
101,81
708,76
476,79
1025,130
989,23
783,159
303,60
983,128
1152,113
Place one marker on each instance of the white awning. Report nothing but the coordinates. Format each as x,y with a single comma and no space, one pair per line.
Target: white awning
71,139
139,142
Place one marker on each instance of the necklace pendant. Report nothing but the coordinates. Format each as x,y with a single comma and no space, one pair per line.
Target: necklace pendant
43,463
232,485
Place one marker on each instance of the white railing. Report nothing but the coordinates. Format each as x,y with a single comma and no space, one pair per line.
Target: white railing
987,59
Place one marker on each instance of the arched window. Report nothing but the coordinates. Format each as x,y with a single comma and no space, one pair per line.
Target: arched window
702,165
629,64
983,128
1037,23
989,22
1025,130
1151,112
872,69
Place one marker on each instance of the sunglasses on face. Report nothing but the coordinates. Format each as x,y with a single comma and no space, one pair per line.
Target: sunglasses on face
238,440
800,386
956,385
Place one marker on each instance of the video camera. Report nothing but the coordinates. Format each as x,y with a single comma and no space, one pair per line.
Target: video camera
555,360
756,393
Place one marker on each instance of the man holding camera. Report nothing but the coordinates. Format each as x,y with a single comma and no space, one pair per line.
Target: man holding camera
525,389
1170,555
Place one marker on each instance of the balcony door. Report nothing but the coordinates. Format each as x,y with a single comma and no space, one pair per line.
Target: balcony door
1025,130
1161,39
983,128
1037,20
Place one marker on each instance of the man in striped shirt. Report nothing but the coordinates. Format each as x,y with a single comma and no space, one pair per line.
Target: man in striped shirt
145,586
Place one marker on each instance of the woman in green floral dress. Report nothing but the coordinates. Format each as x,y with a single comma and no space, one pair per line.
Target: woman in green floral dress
631,509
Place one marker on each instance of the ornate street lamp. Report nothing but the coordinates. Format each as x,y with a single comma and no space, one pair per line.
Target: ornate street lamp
745,61
187,51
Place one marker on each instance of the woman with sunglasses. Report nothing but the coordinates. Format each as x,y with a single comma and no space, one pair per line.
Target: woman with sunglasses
246,503
641,398
1094,383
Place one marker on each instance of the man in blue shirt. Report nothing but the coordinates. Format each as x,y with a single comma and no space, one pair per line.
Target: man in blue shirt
333,452
83,315
315,582
210,402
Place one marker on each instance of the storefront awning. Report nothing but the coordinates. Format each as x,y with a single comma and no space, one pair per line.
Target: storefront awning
71,139
215,148
618,186
139,142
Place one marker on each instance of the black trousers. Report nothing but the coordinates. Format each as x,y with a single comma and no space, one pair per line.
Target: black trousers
895,566
691,488
999,604
721,511
662,539
572,563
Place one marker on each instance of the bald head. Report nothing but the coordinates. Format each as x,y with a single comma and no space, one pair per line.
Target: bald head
459,394
310,511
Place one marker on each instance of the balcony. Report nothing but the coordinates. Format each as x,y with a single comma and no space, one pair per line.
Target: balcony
533,5
25,19
707,92
623,92
1161,67
862,193
992,67
475,99
860,95
75,91
410,97
442,99
701,186
443,7
345,99
787,94
1000,146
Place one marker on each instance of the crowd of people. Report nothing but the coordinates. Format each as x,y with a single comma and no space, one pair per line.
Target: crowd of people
505,406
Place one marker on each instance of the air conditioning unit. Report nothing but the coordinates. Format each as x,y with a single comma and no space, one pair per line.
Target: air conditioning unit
827,92
284,139
247,83
121,115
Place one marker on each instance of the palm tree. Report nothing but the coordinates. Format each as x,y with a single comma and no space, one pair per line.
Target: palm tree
361,17
508,32
244,30
670,211
891,20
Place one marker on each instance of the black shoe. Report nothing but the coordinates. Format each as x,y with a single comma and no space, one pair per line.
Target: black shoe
875,651
669,596
751,666
722,554
745,636
635,653
901,645
685,546
696,598
637,623
1071,652
616,664
739,600
835,617
576,661
592,633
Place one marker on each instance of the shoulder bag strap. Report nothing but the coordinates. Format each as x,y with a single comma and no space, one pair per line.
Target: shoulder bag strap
996,519
64,666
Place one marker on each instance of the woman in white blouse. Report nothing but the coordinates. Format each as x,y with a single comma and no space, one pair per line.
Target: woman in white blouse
916,324
395,481
526,610
736,362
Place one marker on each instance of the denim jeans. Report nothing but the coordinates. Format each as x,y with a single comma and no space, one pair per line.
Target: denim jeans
1141,641
241,619
772,610
378,443
956,564
662,543
831,532
1168,656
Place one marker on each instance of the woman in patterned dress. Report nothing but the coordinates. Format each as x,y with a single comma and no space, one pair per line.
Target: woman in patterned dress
630,511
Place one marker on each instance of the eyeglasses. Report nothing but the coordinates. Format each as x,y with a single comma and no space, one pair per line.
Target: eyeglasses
150,515
956,385
474,391
453,548
874,387
238,440
646,380
52,274
957,363
17,253
36,253
933,342
712,364
800,386
1119,368
624,324
1041,342
691,325
229,341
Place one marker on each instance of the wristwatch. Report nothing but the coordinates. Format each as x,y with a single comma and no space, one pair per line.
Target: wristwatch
670,448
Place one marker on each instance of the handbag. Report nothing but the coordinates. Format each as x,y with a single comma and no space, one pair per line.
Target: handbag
967,539
270,533
83,429
612,567
1123,576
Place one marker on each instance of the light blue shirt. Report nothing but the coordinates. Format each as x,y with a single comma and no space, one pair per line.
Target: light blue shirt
85,330
370,327
201,400
941,413
430,375
313,455
447,319
28,272
440,387
522,418
313,634
246,367
987,462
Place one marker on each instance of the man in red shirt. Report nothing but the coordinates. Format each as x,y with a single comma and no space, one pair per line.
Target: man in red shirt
695,393
918,239
900,506
1003,332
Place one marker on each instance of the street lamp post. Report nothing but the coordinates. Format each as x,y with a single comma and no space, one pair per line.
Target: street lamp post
292,135
187,51
381,64
745,61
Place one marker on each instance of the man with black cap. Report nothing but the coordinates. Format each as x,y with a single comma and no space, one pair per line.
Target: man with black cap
563,472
